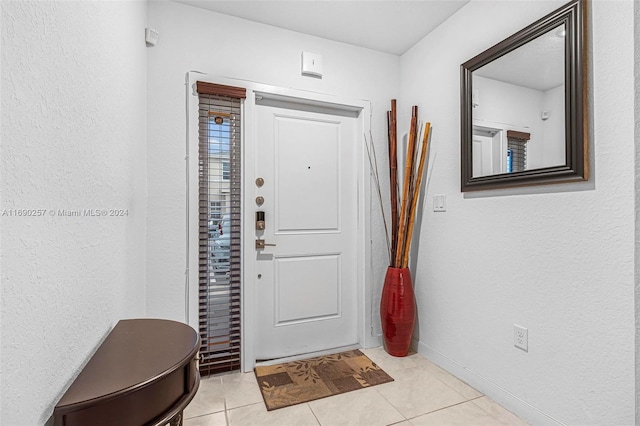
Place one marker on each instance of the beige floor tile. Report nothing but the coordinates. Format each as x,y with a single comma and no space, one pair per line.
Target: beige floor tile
463,414
216,419
422,392
208,400
452,381
499,412
362,407
391,363
257,414
240,389
415,392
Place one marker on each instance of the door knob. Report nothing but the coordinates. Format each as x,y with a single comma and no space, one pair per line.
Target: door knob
260,244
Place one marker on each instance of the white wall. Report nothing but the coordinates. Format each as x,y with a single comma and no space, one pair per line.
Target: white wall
223,46
637,199
521,107
512,105
73,137
506,103
553,153
558,259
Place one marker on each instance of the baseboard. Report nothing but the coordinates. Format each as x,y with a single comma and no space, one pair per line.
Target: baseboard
372,342
503,397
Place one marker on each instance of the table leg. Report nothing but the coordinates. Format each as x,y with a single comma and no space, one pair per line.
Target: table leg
176,420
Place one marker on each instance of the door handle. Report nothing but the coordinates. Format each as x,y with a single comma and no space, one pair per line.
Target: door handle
260,244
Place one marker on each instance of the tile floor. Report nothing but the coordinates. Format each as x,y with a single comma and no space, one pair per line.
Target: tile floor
422,394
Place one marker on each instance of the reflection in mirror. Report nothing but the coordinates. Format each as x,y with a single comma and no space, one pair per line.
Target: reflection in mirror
523,106
518,108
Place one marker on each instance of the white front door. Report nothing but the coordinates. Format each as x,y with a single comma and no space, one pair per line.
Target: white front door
482,156
306,284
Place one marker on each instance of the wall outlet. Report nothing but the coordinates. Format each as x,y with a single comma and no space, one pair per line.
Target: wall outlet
521,337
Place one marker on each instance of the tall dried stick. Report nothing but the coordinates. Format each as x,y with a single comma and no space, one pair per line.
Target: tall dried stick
405,189
418,129
414,201
413,155
373,162
393,181
414,161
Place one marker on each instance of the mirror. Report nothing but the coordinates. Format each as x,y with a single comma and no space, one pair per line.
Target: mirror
523,106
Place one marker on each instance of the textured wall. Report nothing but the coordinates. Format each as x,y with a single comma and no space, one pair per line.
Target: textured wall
73,137
558,260
194,39
636,20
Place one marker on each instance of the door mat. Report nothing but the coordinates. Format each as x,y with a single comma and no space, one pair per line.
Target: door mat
295,382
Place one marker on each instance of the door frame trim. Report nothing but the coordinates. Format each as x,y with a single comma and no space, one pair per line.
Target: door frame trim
363,235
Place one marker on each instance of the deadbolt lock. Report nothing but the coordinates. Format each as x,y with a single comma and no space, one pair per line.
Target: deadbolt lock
260,244
259,200
259,182
260,221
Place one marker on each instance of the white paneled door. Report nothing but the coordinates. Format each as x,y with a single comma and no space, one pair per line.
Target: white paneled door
306,282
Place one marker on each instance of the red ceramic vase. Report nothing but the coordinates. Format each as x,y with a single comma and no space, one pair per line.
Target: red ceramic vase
397,311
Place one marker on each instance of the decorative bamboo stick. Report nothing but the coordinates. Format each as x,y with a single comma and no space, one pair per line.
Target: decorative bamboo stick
416,195
418,130
389,137
414,162
414,158
405,192
393,172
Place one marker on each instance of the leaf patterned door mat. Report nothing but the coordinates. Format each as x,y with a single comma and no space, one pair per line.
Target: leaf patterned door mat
295,382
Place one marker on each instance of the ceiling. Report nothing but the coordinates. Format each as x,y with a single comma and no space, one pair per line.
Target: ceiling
538,65
387,26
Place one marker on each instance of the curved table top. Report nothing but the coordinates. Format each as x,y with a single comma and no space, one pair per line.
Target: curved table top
136,353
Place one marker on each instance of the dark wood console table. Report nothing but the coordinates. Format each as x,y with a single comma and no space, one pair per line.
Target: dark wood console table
144,373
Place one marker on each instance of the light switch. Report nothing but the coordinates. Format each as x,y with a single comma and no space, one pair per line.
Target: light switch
439,203
311,64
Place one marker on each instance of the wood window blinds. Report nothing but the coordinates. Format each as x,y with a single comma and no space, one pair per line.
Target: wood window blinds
517,144
219,219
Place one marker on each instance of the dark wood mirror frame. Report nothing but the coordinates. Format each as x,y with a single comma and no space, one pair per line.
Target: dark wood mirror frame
576,168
